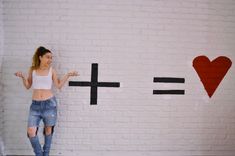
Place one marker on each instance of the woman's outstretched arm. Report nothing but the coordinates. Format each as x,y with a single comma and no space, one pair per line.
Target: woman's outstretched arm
27,81
60,82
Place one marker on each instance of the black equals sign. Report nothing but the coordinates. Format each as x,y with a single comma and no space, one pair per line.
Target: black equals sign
168,80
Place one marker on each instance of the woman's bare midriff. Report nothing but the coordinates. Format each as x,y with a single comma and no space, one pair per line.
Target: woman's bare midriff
42,94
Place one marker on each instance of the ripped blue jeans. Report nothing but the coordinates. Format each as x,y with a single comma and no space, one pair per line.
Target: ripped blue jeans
45,110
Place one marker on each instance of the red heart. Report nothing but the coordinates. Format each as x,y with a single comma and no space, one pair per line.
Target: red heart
211,73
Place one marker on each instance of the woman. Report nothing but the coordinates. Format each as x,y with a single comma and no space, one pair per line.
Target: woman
44,104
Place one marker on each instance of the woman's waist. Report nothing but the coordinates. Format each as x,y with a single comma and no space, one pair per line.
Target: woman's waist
42,101
42,94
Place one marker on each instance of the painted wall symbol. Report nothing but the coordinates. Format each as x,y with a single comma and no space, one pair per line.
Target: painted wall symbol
168,80
94,84
211,73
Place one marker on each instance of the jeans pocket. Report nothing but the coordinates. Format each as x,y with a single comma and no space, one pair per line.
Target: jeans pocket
35,107
52,104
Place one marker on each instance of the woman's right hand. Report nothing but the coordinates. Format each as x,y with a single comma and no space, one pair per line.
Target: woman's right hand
19,74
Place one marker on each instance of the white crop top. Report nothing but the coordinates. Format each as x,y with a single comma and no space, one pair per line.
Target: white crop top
42,82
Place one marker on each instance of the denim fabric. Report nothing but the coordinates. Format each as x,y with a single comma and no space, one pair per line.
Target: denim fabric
45,110
47,145
36,145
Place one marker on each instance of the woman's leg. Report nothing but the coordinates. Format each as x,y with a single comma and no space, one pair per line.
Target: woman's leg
33,138
49,119
48,133
33,124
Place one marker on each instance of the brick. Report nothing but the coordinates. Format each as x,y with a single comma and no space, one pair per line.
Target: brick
132,41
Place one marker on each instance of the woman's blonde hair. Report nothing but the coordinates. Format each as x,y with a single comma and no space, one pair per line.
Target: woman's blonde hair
39,52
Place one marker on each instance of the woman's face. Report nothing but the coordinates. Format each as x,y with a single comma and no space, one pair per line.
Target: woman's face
46,59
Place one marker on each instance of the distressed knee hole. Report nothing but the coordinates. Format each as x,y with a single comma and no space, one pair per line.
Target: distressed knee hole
31,133
48,130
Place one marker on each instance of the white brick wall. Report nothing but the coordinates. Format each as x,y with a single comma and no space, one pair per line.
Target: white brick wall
1,98
132,41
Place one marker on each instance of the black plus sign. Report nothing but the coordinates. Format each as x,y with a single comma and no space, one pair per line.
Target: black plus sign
94,84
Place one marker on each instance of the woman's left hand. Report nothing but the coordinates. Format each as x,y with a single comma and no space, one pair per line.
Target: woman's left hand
72,73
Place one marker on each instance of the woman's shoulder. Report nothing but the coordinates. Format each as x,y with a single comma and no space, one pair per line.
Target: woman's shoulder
31,70
53,70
